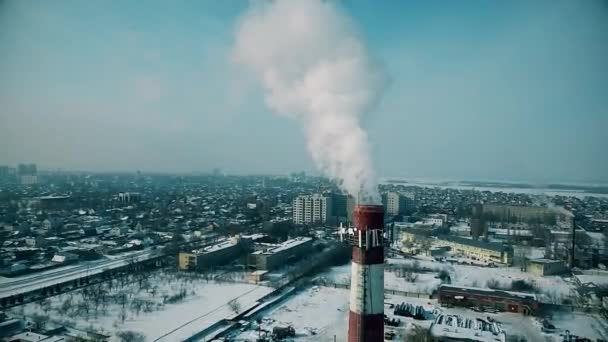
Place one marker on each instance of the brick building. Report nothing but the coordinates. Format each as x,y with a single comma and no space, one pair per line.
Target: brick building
508,301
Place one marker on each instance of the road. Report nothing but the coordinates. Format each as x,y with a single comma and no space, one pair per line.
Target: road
27,283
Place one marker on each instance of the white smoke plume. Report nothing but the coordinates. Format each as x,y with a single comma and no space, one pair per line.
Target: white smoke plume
315,69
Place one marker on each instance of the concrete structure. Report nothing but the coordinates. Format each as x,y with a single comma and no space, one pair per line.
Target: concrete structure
478,224
3,173
279,255
543,267
397,203
342,206
256,277
508,301
128,197
309,209
27,174
366,317
218,254
479,250
436,220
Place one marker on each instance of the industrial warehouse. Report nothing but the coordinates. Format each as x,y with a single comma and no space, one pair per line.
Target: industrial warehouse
269,258
489,252
506,301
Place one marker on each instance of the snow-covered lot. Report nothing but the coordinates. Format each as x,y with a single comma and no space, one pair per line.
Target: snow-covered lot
317,314
551,288
423,283
163,306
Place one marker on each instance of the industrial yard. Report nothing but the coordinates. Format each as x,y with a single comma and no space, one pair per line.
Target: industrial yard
320,314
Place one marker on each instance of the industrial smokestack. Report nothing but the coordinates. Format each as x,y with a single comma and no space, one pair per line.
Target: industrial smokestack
366,317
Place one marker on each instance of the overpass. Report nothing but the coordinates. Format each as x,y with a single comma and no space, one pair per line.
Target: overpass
31,287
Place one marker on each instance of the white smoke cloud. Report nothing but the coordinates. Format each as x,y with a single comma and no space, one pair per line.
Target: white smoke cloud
315,69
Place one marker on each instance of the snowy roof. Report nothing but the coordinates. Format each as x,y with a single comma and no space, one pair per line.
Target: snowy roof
215,248
544,261
51,197
498,247
286,245
486,292
599,279
254,237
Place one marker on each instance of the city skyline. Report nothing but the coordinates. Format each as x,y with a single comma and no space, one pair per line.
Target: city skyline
501,92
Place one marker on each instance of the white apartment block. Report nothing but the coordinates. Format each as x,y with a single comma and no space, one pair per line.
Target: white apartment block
311,209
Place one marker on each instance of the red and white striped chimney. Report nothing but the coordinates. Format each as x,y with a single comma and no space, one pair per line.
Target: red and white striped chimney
366,318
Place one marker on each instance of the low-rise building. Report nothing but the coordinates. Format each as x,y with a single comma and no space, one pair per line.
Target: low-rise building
508,301
258,276
275,256
543,267
218,254
490,252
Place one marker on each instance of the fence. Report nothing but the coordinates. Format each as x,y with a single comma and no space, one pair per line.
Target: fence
386,291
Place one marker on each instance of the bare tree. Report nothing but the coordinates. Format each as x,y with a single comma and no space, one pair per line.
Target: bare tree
130,336
137,305
84,307
153,291
148,306
235,306
98,296
418,334
410,276
65,307
122,315
122,299
45,305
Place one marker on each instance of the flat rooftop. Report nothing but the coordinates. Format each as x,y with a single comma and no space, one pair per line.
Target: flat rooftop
285,245
214,248
544,261
488,292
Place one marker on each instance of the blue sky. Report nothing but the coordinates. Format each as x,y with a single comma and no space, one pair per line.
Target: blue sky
513,90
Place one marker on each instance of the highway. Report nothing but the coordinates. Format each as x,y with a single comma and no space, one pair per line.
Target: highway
31,282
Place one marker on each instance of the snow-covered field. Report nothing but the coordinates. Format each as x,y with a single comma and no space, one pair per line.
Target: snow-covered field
317,314
553,288
423,283
162,306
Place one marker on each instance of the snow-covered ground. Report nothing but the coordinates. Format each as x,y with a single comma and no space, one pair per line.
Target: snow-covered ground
316,314
320,313
164,306
424,282
555,287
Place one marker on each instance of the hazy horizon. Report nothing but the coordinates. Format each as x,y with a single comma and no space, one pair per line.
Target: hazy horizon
476,90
